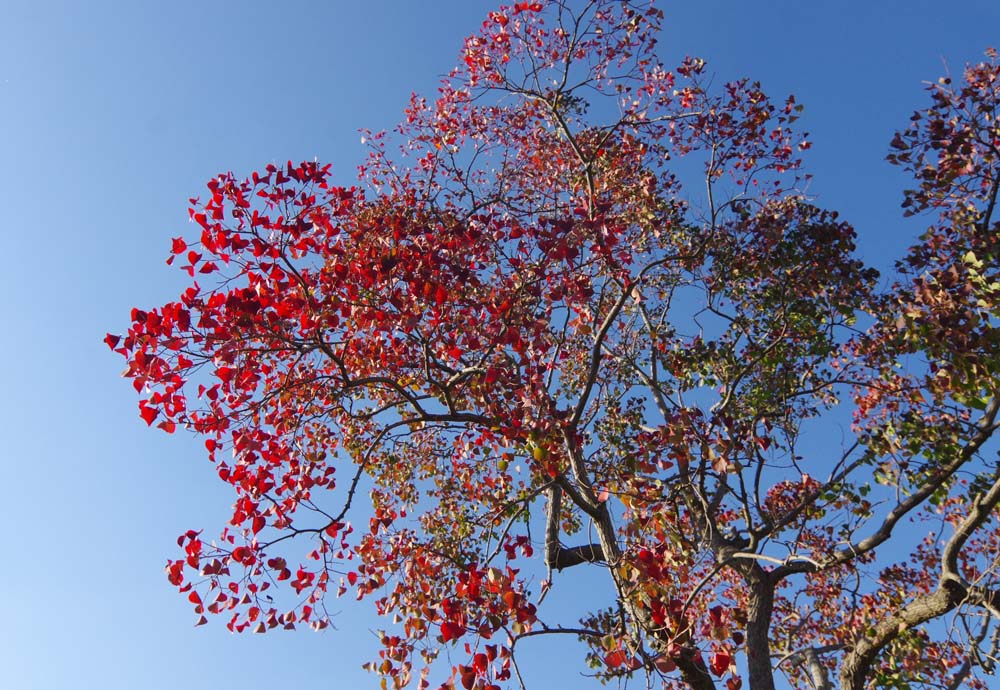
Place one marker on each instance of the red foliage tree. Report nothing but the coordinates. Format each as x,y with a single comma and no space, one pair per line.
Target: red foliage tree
535,350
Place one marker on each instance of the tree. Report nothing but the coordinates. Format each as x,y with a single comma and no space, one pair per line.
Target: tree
525,332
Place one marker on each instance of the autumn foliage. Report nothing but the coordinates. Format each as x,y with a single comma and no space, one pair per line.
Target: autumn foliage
585,317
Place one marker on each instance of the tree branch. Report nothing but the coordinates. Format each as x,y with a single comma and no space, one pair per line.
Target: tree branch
984,429
952,590
556,555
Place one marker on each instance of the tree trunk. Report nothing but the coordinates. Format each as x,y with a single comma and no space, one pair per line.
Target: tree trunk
761,606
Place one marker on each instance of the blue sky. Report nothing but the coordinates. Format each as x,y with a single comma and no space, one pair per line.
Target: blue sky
112,114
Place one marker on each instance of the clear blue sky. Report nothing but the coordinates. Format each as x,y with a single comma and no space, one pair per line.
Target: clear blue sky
113,113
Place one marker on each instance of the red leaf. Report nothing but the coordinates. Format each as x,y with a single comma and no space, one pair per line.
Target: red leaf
112,340
615,659
179,245
468,675
721,662
664,664
258,523
450,631
148,413
167,426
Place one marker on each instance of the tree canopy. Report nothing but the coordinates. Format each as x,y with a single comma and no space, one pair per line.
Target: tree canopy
578,313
